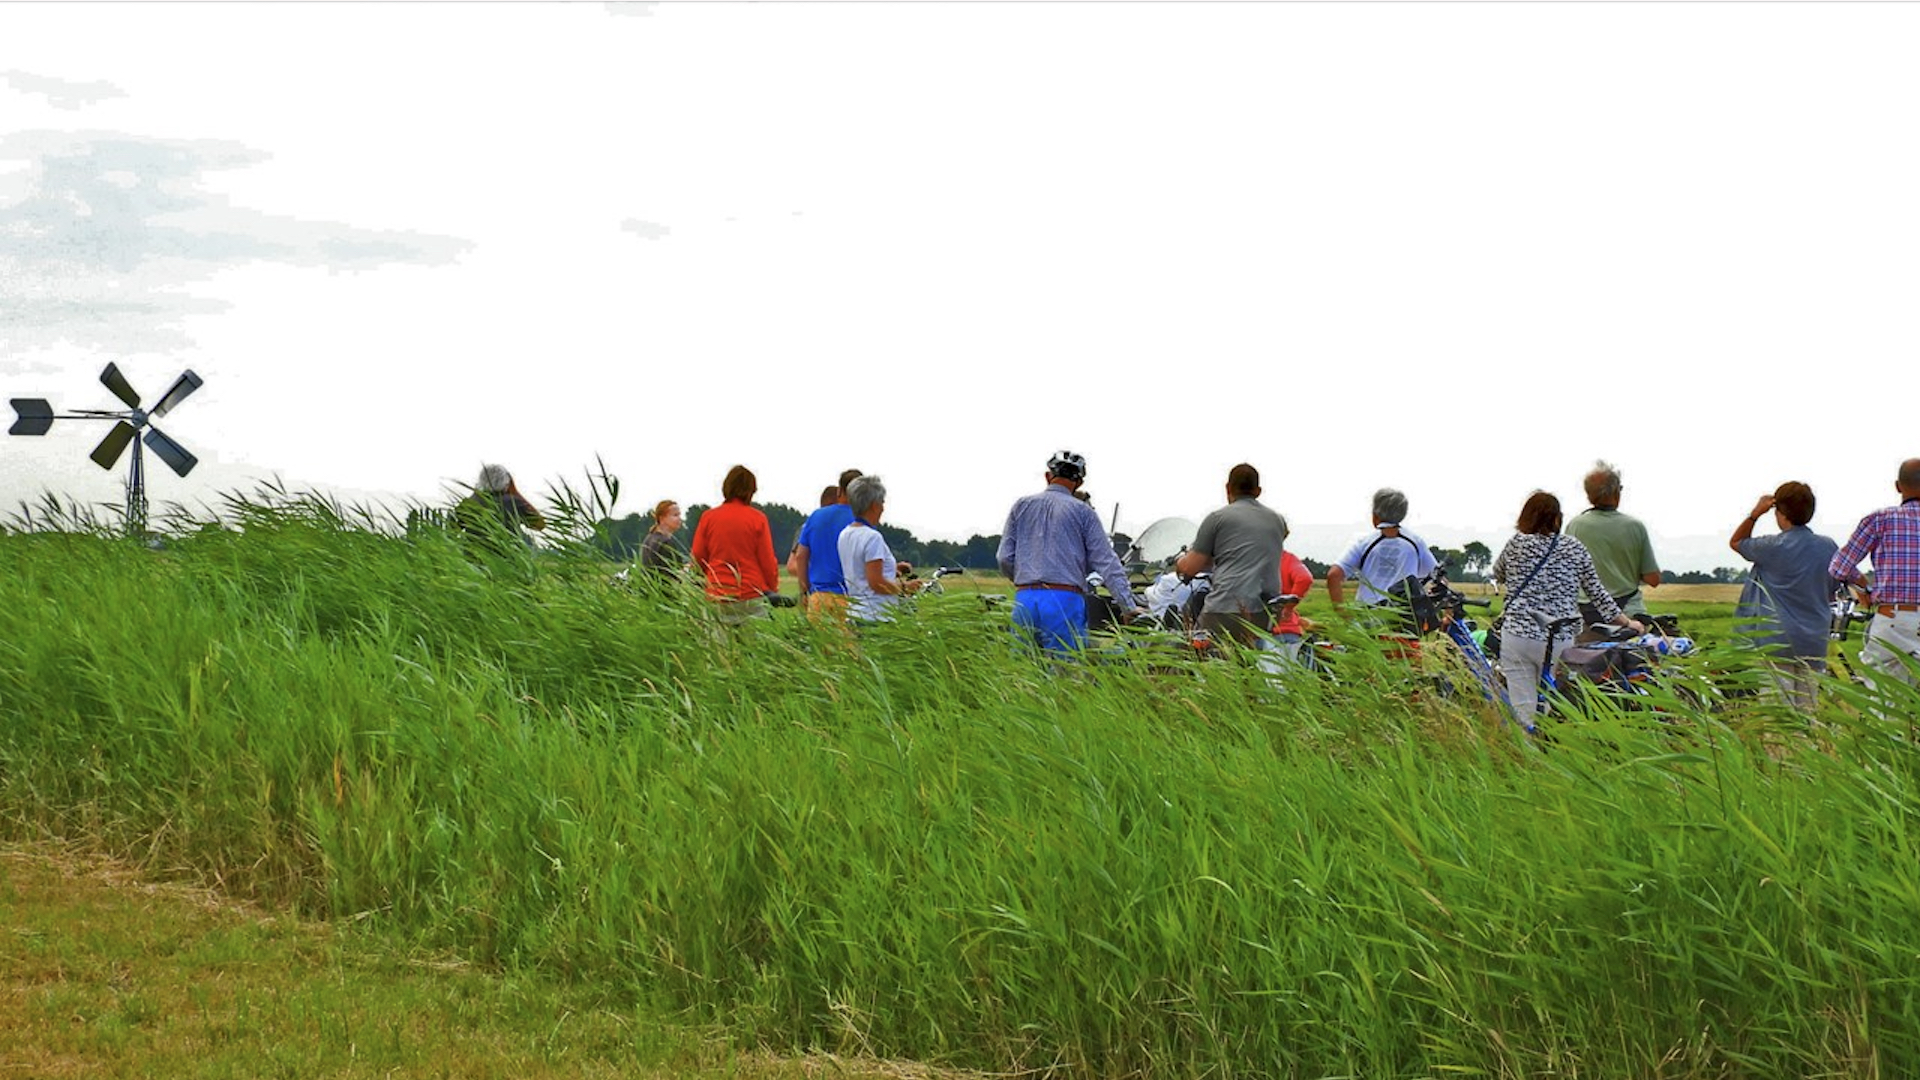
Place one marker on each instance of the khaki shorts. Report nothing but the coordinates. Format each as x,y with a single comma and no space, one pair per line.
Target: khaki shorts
828,606
738,612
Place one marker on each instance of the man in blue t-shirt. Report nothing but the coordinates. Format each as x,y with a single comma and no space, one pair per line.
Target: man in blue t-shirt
824,590
1784,604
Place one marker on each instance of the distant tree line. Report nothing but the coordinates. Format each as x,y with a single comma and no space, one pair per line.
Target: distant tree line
1722,575
620,538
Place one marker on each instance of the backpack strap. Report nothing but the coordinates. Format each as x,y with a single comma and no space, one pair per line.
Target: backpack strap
1361,568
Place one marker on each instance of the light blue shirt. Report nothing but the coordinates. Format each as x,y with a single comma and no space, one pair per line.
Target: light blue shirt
1054,538
1786,596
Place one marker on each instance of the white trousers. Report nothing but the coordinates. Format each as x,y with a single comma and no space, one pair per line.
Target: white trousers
1893,646
1521,659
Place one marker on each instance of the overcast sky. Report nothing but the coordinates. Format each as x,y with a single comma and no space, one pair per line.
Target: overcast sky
1458,249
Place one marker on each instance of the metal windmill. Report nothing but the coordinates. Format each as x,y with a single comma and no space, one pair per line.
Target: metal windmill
131,425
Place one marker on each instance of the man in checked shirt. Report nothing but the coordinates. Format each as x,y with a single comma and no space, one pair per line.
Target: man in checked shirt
1891,537
1052,540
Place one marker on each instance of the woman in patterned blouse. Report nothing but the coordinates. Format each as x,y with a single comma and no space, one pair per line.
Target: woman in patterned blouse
1544,570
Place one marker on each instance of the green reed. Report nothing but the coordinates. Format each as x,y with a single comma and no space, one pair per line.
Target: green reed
924,843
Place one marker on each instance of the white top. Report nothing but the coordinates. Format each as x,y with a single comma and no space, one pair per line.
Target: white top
1166,593
860,544
1392,560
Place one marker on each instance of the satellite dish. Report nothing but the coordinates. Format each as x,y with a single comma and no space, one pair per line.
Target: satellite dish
131,426
1162,540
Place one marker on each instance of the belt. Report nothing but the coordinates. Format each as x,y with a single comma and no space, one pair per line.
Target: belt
1886,611
1051,586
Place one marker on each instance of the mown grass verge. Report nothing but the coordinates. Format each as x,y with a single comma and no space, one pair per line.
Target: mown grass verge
928,846
104,973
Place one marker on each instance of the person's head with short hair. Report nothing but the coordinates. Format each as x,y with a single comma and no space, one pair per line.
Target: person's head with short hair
739,484
864,493
1602,485
1908,478
494,478
848,477
1540,514
831,494
1389,506
1243,482
1793,500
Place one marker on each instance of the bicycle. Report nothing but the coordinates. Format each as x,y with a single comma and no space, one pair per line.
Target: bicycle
1847,609
931,586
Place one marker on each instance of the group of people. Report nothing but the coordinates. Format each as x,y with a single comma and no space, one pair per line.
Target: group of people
844,566
1559,574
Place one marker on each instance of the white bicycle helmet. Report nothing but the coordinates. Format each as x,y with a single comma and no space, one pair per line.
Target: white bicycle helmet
1067,465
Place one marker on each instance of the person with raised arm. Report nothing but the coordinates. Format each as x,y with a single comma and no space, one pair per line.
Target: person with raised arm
1785,602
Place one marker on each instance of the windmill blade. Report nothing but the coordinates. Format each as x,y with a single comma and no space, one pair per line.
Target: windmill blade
111,447
121,388
171,452
186,384
36,416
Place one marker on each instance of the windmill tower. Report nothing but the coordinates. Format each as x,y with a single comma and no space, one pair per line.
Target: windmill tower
132,425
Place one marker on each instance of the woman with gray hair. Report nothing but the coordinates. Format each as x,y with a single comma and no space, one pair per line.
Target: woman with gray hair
866,562
495,509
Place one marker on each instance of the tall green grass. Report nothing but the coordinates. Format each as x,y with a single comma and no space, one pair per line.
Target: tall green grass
927,844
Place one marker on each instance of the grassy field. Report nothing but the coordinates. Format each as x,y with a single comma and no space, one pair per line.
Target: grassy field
104,973
924,845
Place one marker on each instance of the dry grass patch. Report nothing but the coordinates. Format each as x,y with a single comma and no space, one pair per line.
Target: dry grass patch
107,973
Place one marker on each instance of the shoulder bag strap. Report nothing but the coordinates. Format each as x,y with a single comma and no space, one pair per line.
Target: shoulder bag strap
1528,580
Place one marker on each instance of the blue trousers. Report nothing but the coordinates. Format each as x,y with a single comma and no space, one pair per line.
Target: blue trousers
1054,619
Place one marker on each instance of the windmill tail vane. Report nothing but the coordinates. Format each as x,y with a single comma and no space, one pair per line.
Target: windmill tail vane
132,426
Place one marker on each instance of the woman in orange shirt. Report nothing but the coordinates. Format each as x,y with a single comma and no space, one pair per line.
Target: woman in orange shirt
734,545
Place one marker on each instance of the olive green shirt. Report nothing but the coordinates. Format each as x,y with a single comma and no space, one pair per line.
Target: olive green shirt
1621,551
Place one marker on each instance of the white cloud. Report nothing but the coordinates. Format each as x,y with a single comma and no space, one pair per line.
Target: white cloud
110,226
62,93
645,230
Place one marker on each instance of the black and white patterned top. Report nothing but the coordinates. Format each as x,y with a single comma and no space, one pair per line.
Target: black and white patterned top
1554,593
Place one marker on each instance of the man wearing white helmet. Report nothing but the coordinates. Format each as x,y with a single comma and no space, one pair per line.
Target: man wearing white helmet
1051,542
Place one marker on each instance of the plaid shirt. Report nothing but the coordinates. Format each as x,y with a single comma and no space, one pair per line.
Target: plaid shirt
1892,538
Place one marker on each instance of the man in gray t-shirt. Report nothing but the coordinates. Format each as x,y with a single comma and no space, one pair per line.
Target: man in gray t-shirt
1240,543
